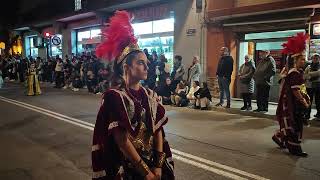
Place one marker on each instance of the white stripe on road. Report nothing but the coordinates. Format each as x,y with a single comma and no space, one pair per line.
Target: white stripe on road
48,111
221,166
179,155
208,168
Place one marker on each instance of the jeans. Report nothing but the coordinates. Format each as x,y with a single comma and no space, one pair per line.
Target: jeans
314,93
224,84
263,96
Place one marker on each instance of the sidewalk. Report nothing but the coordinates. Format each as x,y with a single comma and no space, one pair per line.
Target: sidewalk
236,104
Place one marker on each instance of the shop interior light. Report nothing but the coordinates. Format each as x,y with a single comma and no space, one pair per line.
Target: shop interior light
47,34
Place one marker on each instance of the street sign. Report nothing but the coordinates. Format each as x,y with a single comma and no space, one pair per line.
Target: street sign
56,40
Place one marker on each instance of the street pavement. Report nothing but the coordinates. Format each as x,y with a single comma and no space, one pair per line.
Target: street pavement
49,137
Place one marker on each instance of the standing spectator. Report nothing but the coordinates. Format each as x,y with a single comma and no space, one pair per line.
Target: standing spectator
246,82
203,97
263,77
194,88
194,71
152,76
178,70
163,69
59,73
1,79
67,73
224,71
312,76
22,68
40,69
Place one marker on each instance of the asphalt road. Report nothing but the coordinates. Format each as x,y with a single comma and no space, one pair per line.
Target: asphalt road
44,137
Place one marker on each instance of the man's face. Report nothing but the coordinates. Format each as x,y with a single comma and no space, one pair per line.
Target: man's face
222,51
264,54
316,59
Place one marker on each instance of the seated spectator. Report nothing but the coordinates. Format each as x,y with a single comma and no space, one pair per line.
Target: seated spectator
203,97
179,98
165,91
77,83
194,88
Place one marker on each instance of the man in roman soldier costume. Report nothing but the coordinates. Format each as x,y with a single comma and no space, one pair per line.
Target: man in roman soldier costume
129,141
293,101
33,81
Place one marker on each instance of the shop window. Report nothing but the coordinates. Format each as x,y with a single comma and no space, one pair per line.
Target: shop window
95,33
31,50
165,25
273,35
142,28
83,35
77,5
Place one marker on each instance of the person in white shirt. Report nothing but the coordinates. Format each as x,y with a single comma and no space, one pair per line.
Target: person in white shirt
194,88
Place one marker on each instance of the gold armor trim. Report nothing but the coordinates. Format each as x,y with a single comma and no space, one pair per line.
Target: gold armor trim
143,142
130,48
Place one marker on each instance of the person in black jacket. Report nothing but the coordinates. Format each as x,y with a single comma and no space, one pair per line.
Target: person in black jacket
203,97
224,71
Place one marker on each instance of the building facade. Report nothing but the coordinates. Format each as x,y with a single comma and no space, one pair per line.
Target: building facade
247,27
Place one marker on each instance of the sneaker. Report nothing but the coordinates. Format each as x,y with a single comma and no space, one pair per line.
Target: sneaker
218,105
64,87
228,106
243,108
204,108
257,110
249,108
317,115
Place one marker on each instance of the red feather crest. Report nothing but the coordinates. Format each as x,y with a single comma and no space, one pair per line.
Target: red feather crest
116,37
295,44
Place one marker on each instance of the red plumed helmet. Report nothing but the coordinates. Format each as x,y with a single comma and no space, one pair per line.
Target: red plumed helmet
117,36
295,44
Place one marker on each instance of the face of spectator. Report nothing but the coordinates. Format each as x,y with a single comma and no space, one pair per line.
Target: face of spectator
265,54
223,51
246,59
316,59
168,81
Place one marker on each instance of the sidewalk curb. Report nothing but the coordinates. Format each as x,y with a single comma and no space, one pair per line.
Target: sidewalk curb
245,113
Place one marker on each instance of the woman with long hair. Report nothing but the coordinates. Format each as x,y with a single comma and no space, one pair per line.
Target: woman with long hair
129,140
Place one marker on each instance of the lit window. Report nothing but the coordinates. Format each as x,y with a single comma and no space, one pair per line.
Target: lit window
77,5
83,35
95,33
142,28
165,25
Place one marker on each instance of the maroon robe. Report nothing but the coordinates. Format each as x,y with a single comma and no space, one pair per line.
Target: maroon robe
290,113
126,109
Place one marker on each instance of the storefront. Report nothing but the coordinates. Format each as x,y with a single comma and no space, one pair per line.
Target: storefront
253,44
31,46
87,39
314,46
154,27
156,36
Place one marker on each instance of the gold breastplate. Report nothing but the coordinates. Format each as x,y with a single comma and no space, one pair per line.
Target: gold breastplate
143,142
